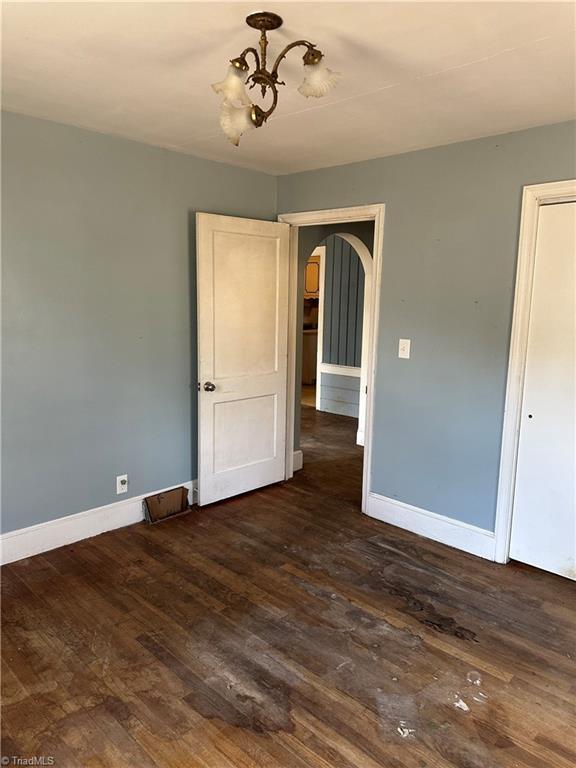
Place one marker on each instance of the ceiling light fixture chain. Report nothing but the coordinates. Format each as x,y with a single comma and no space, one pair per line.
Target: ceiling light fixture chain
238,113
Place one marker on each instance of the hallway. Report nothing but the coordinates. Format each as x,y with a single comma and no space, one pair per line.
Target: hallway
283,629
332,460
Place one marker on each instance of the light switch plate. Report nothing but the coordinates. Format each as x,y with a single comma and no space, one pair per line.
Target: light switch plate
404,348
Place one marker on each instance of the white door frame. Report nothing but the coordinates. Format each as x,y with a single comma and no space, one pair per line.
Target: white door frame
339,370
320,251
367,261
533,198
343,216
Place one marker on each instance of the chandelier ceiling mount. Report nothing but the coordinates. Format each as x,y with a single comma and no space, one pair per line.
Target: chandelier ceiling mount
265,21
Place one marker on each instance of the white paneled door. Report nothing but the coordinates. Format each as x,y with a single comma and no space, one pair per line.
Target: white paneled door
544,516
242,267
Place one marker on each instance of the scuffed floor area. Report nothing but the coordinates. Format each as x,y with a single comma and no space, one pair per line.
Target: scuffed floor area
284,629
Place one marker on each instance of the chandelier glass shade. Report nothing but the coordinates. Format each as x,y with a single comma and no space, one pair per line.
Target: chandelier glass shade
233,87
235,121
238,113
318,80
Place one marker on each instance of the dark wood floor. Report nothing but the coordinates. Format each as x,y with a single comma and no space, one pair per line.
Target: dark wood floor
285,630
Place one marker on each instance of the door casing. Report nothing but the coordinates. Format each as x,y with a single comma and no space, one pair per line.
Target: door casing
367,261
342,216
533,198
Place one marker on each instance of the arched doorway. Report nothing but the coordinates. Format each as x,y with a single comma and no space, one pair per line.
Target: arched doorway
308,229
337,286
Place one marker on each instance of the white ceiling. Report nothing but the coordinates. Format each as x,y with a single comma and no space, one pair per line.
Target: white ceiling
415,74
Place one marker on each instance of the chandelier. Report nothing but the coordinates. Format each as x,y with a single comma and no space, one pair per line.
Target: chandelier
238,114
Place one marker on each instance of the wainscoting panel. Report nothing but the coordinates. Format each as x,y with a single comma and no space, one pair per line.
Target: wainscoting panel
340,394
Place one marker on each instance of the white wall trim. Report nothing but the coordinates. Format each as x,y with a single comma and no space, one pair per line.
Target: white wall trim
340,370
368,265
35,539
373,213
298,460
346,370
321,253
292,323
332,215
533,197
453,533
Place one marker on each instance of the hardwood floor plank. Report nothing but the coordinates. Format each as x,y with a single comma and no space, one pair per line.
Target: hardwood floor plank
283,629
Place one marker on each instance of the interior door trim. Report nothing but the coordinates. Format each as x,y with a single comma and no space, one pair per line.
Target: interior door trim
533,198
373,213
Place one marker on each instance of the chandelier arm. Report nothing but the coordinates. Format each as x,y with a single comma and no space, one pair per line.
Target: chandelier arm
282,54
254,52
259,115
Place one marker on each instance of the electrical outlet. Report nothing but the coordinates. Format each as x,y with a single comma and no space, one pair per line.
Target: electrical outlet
121,484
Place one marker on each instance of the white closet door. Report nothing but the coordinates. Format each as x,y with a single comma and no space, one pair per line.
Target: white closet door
544,517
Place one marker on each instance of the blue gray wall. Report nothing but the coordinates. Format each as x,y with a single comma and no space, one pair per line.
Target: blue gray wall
99,316
450,243
343,304
99,309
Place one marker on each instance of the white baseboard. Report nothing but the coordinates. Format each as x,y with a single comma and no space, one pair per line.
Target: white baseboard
25,542
454,533
298,460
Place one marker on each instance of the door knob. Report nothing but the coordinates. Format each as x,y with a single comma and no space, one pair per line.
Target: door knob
209,387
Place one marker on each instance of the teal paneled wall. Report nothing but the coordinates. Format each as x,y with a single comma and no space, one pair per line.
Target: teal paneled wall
343,304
